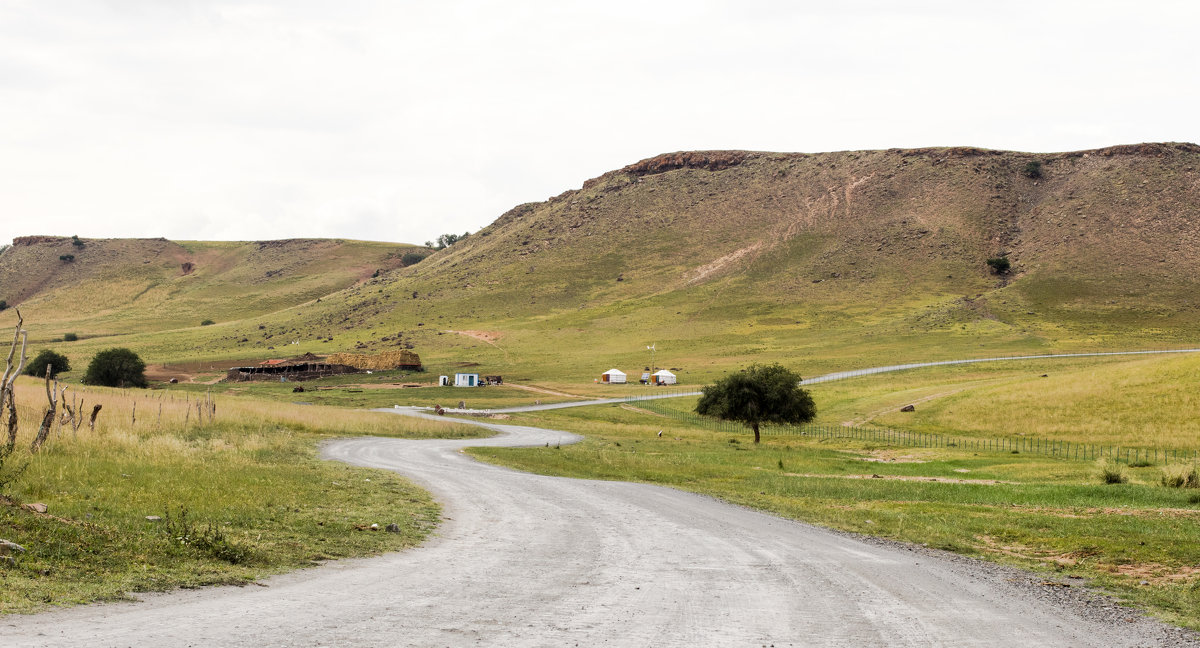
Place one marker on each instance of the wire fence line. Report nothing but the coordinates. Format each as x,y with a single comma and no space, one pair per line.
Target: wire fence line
842,375
886,436
1028,445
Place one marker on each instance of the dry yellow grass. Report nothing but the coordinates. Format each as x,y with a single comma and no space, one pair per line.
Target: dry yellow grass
382,361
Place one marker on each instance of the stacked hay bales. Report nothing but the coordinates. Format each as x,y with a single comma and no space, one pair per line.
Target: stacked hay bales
402,359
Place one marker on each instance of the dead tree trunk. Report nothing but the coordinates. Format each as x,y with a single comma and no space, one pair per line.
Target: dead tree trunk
48,419
95,413
7,399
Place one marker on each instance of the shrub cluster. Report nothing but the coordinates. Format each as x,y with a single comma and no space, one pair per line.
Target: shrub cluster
116,368
57,363
1180,476
1111,471
210,540
1000,264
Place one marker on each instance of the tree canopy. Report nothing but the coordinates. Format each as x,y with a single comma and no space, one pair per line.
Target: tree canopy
758,394
116,368
57,362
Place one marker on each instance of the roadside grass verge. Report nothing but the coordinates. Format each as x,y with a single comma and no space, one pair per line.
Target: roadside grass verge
242,496
1137,539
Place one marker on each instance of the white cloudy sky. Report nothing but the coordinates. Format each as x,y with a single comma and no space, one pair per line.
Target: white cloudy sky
397,121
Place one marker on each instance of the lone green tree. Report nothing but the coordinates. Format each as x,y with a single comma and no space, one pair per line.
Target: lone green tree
756,395
116,368
57,362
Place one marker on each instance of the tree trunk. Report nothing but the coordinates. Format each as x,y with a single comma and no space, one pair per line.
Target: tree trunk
43,432
48,419
754,426
12,418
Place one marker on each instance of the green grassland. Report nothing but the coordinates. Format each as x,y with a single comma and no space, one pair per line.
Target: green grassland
243,495
1136,539
822,262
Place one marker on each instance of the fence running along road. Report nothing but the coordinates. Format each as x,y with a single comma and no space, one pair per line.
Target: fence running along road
1046,447
886,436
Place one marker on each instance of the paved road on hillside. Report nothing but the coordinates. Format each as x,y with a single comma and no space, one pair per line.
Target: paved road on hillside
528,560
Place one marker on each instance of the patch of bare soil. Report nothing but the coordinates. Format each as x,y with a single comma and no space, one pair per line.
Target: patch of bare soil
408,385
543,390
1150,573
631,408
203,373
703,272
1069,558
1155,573
1094,511
914,478
886,455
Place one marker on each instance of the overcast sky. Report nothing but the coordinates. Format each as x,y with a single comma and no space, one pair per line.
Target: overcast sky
397,121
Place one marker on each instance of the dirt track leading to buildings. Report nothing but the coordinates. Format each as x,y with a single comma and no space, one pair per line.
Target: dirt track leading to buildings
528,560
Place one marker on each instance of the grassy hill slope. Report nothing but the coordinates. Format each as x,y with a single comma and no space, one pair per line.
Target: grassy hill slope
826,260
121,286
822,261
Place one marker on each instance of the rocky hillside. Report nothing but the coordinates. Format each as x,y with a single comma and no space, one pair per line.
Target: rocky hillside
832,259
893,245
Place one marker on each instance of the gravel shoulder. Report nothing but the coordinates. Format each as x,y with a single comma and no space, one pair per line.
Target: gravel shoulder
530,560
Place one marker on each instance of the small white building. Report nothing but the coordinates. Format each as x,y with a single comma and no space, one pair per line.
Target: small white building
443,381
664,377
614,376
466,380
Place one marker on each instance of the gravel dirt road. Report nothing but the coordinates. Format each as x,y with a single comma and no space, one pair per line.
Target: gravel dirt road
527,560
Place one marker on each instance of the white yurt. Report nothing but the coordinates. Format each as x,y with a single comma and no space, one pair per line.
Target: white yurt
664,377
615,376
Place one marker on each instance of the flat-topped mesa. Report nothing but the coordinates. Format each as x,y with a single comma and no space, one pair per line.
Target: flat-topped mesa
1155,149
707,160
29,241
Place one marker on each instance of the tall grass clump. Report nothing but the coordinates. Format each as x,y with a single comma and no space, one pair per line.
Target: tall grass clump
1109,471
1180,476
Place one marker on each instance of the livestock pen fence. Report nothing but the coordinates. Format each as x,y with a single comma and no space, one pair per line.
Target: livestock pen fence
887,436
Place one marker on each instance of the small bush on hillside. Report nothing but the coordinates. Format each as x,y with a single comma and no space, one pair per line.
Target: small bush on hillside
1033,170
57,362
70,337
1000,264
1180,476
76,242
66,257
3,305
207,322
412,258
116,368
446,240
1111,472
